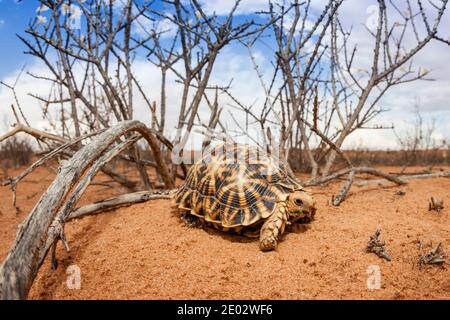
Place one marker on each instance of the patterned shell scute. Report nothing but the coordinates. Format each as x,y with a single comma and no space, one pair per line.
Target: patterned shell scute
235,186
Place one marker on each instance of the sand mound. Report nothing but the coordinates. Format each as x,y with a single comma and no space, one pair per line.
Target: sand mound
145,251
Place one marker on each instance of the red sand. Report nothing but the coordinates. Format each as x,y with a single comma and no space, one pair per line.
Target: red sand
145,251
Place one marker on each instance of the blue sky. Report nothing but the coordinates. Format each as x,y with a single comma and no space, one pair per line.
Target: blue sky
234,63
14,18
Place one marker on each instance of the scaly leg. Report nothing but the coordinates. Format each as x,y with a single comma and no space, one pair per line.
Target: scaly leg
273,228
190,220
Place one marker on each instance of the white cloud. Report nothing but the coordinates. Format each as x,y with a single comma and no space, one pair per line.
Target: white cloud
43,8
41,19
142,26
221,7
235,64
29,105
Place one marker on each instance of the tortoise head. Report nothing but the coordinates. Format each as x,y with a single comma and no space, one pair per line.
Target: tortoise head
301,206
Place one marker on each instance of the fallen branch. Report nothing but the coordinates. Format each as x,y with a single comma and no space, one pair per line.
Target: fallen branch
113,174
351,171
399,180
347,185
379,173
117,202
67,144
406,178
56,231
344,190
119,178
38,232
61,149
356,170
47,157
33,132
429,175
152,164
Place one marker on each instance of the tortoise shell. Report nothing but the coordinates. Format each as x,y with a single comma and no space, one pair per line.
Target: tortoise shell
234,186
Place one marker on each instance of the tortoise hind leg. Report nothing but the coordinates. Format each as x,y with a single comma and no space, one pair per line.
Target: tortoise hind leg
272,228
190,220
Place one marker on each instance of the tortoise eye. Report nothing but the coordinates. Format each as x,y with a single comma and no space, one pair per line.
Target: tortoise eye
298,202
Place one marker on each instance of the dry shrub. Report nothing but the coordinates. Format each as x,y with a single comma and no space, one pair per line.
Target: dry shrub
15,152
430,157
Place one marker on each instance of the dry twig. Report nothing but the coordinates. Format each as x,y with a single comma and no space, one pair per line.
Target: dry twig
375,245
435,204
434,255
116,202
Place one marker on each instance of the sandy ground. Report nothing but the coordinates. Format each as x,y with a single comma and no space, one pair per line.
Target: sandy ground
146,252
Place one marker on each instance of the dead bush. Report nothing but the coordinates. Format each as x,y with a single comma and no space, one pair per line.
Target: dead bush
15,152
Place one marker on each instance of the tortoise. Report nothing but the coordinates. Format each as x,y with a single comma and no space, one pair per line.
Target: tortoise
245,190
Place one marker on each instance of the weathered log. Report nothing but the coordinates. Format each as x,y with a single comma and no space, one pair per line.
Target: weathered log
22,263
56,231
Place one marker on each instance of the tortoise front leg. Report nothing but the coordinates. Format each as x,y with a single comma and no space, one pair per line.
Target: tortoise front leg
273,228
